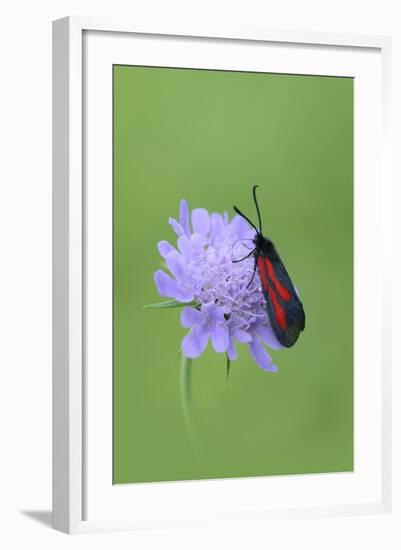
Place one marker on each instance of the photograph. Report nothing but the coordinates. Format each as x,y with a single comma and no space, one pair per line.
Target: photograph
232,274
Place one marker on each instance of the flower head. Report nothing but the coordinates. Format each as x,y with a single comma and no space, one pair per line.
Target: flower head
227,309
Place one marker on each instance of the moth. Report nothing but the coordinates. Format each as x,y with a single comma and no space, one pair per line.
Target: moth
284,308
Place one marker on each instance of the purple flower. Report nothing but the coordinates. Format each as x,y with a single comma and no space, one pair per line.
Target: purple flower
222,307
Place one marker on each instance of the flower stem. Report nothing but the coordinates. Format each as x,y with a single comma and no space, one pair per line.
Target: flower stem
186,401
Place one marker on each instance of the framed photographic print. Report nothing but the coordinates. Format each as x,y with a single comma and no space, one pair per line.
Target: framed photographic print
219,333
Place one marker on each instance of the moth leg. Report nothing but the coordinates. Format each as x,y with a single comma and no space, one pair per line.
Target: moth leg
245,257
254,271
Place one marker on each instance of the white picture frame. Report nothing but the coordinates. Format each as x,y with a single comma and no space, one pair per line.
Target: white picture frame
83,495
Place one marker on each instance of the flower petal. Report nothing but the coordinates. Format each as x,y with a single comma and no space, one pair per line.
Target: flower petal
164,248
190,317
217,228
176,226
267,335
197,240
169,288
214,314
216,221
219,338
242,336
261,356
184,217
200,221
231,351
185,246
194,343
239,227
177,265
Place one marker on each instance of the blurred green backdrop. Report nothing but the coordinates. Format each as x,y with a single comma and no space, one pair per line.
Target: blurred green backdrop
207,136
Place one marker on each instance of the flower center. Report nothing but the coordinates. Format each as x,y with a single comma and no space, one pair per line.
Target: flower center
219,281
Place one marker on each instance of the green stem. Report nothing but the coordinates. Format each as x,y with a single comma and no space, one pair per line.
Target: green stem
186,401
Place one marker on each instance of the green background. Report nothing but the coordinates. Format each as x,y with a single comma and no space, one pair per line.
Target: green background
207,136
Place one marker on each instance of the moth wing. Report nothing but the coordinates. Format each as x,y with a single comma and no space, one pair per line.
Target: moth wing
285,309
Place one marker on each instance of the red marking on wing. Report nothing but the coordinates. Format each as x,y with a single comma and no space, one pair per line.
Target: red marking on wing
279,312
262,273
283,292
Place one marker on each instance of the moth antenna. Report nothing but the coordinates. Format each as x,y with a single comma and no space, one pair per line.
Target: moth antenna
257,207
245,218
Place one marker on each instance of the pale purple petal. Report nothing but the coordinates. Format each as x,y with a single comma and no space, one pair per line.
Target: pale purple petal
219,313
219,338
198,241
261,356
166,286
242,336
231,351
164,248
190,317
186,248
240,227
178,229
184,217
200,221
217,229
169,288
267,336
215,314
177,265
216,222
194,343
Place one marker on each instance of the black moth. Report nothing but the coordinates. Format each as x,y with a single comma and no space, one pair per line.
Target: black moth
284,308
